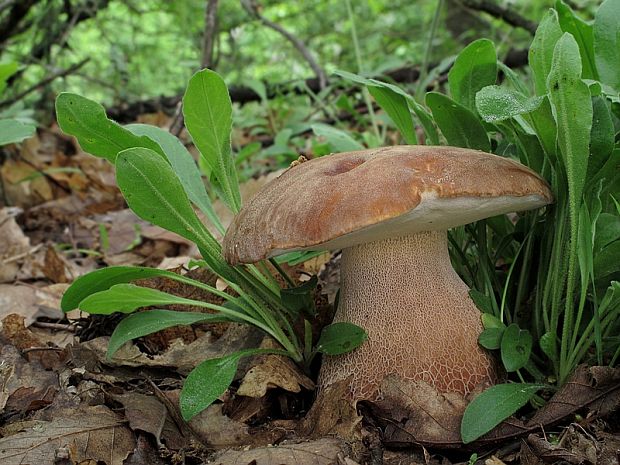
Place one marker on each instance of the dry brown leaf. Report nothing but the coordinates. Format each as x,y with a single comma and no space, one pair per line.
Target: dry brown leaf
148,414
415,412
20,192
273,371
325,451
31,303
91,433
333,414
550,453
219,431
54,267
13,247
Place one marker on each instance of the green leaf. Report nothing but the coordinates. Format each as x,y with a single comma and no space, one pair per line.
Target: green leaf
100,280
541,119
541,50
516,347
606,261
300,298
491,338
547,344
460,126
209,380
338,140
154,193
572,110
96,134
298,257
606,31
150,321
474,68
396,103
583,35
184,166
208,117
491,321
482,301
127,298
602,135
6,71
493,406
495,103
13,131
607,230
340,338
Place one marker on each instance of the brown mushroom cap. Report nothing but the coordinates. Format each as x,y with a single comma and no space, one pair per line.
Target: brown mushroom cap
355,197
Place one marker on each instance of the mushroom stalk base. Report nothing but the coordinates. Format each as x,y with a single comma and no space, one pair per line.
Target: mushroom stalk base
421,323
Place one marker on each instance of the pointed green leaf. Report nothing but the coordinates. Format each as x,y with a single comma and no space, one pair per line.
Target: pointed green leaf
474,68
547,344
127,298
340,338
100,280
493,406
495,103
96,134
13,131
607,230
482,301
516,347
154,193
338,140
184,166
602,135
572,109
461,127
583,35
150,321
541,50
209,380
208,117
607,43
6,71
300,298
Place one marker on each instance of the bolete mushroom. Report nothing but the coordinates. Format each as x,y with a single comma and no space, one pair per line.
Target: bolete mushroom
389,210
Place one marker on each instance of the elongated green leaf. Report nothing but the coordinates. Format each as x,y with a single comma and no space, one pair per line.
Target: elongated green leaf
572,110
13,131
151,321
495,103
607,230
602,136
474,68
606,261
516,347
541,119
391,99
541,50
460,126
100,280
184,166
606,31
208,118
395,105
548,345
482,301
583,34
154,193
96,134
493,406
127,298
338,140
340,338
210,379
300,298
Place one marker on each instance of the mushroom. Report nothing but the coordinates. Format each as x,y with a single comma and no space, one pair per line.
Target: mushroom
389,210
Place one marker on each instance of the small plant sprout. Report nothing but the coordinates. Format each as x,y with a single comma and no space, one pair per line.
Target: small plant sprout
389,210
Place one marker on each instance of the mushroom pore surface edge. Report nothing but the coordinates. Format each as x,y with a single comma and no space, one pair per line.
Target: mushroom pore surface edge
389,209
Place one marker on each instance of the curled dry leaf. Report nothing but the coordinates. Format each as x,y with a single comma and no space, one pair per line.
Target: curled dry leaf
91,433
273,371
14,244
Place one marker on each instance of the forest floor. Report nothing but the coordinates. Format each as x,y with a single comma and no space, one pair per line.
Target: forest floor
63,402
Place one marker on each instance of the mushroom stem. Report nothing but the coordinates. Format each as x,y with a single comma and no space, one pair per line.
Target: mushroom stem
420,320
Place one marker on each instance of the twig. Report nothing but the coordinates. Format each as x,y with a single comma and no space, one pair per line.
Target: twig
44,82
252,7
55,326
504,13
